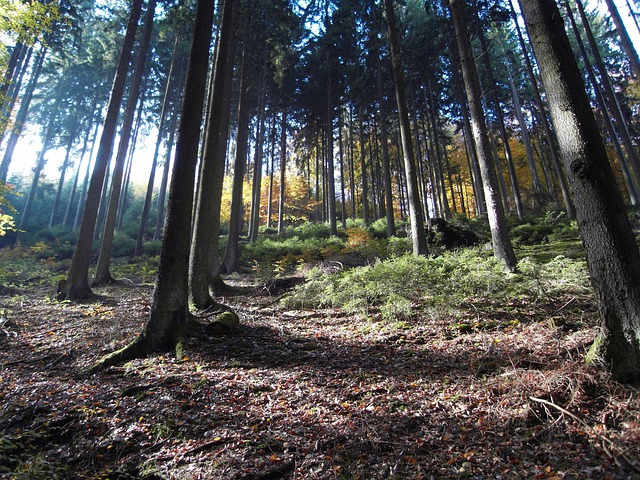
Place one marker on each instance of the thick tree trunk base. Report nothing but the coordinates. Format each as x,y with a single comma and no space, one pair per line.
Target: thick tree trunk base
218,285
144,345
105,279
73,292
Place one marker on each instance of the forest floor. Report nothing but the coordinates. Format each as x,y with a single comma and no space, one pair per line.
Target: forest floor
310,394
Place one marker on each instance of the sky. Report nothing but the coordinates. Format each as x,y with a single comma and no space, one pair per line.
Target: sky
30,144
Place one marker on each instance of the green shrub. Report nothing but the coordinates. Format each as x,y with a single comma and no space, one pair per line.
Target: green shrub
152,247
123,245
447,280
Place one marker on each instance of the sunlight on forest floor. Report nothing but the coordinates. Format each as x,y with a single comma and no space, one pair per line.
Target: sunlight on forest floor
314,393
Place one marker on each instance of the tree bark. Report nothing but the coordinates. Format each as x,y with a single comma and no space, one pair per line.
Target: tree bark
625,40
549,136
231,257
77,284
612,253
418,234
170,320
102,274
497,221
207,215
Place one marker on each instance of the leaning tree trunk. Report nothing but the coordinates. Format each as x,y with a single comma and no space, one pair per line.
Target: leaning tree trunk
21,117
625,40
549,136
627,175
77,284
497,221
612,252
418,234
170,320
103,275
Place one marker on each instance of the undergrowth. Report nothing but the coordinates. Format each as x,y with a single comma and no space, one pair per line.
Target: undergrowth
397,283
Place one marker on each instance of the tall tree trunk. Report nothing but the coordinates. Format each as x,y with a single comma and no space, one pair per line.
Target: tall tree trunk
610,95
170,320
363,173
630,183
331,183
549,136
283,168
612,252
258,154
625,40
537,185
28,207
164,111
231,257
63,171
204,256
77,284
497,221
513,178
418,234
76,177
386,167
102,274
21,117
85,182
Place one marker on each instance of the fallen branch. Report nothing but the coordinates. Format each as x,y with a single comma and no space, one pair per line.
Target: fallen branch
608,445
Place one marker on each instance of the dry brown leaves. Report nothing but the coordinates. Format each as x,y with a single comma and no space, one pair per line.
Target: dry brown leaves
309,395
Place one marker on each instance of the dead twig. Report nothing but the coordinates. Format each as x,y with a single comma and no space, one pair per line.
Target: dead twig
608,445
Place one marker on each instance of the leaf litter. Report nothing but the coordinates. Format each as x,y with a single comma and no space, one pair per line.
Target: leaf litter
312,394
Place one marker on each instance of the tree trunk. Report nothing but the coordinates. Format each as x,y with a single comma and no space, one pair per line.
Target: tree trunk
21,117
283,168
418,234
331,184
258,155
231,258
363,173
625,40
77,284
610,96
497,221
203,257
63,171
102,274
612,252
386,167
170,320
513,178
549,136
629,180
146,208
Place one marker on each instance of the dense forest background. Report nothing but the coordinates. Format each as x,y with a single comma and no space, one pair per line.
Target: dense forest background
319,239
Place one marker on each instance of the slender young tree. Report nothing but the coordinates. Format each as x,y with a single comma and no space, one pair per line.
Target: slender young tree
502,247
170,319
418,234
612,253
76,286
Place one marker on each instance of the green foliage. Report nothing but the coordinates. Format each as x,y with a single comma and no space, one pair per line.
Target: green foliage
550,227
123,245
450,279
7,223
